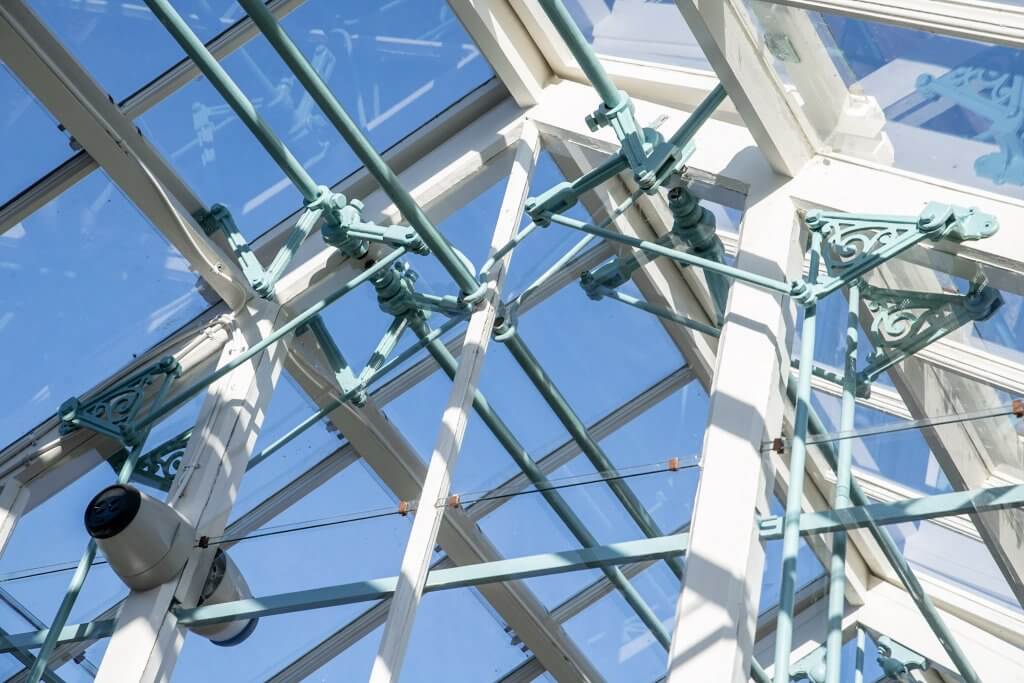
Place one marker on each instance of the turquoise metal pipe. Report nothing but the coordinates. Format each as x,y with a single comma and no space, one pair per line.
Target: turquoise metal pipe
844,474
549,391
291,434
893,554
303,227
699,116
794,496
504,435
413,349
384,348
235,98
584,54
348,129
298,321
779,286
661,312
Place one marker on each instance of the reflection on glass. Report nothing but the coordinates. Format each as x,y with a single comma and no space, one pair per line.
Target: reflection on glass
394,66
951,555
644,30
927,103
122,44
90,284
29,138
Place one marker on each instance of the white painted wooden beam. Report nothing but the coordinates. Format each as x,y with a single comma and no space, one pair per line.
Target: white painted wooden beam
437,485
716,612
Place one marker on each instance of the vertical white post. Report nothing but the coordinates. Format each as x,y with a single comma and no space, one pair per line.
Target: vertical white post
436,486
147,639
717,609
13,499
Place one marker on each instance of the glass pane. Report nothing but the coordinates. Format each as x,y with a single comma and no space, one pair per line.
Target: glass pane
122,44
927,103
394,66
644,30
29,135
90,285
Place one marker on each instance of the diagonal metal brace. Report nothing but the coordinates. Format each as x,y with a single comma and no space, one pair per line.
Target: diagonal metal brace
858,243
157,467
904,322
219,218
115,411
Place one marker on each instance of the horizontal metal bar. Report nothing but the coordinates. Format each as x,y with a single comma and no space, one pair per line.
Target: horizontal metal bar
457,577
29,640
929,507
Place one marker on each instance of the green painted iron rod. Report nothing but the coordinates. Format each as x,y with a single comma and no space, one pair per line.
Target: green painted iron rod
936,505
858,664
413,349
894,555
511,569
844,474
699,116
378,168
661,312
292,433
794,496
768,283
298,321
507,439
384,348
499,254
549,391
234,97
584,54
303,227
757,672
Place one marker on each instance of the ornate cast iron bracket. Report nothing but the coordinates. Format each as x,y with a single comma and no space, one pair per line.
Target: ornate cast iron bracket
905,322
857,243
996,96
156,468
114,412
897,661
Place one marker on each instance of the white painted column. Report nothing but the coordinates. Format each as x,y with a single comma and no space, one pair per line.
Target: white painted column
147,640
13,500
717,609
423,536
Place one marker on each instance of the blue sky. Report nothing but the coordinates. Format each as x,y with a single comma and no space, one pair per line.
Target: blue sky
91,284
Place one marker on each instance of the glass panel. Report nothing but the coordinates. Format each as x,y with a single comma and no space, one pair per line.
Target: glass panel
121,44
926,103
91,285
644,30
935,549
28,134
394,66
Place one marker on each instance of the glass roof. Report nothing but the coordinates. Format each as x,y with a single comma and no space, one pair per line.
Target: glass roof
24,119
92,285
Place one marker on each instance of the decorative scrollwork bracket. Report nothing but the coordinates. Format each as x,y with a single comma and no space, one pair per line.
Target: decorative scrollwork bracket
156,467
905,322
857,243
115,411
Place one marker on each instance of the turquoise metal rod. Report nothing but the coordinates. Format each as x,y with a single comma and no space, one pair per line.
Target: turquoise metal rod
584,54
348,129
661,312
794,496
289,327
384,348
549,391
499,254
413,349
234,97
305,225
536,476
291,434
779,286
844,474
894,555
699,116
758,673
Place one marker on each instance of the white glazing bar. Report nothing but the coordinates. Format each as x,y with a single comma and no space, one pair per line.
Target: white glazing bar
423,536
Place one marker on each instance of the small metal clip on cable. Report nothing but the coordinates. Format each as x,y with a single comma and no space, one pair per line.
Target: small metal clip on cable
403,507
1018,407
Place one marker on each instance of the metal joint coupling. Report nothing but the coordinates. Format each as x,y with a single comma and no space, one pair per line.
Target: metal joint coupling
802,293
945,221
611,274
505,323
396,291
341,217
558,199
693,223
